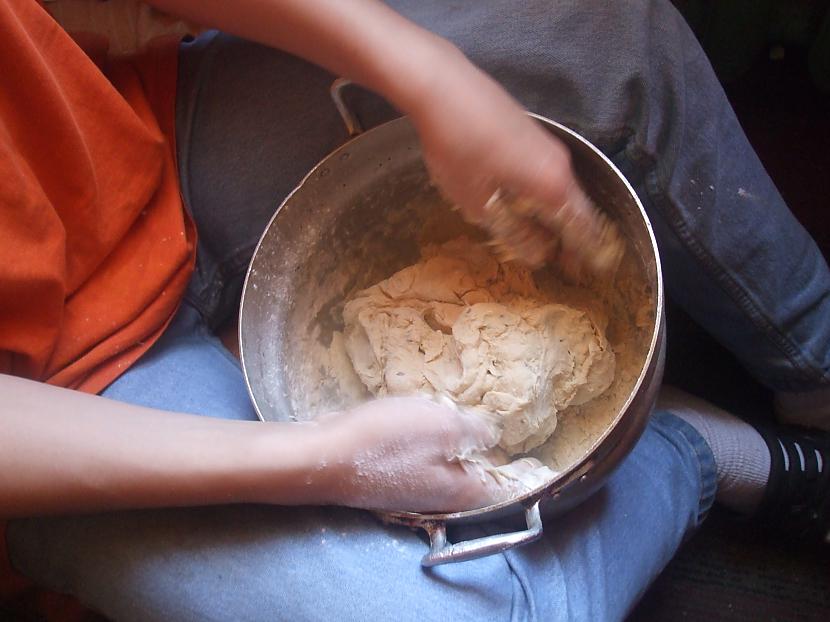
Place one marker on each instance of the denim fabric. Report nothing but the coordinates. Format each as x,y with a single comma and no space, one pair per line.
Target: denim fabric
251,123
628,75
267,563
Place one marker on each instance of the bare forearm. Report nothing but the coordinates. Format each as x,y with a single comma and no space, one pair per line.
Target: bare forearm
360,39
64,451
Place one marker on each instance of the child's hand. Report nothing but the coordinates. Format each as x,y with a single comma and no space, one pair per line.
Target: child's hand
403,454
477,140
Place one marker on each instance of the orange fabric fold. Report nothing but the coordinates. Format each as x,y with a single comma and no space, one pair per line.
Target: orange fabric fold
96,247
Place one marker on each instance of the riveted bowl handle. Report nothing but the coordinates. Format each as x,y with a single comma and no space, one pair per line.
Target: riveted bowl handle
350,120
443,552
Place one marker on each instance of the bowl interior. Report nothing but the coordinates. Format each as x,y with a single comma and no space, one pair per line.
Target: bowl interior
362,214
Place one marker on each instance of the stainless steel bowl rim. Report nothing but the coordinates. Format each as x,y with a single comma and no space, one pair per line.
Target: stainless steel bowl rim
581,469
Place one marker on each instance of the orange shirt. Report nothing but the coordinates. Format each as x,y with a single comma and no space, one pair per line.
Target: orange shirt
96,247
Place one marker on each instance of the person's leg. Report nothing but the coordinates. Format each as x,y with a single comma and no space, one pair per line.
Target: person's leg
779,474
631,77
742,458
250,123
187,354
267,563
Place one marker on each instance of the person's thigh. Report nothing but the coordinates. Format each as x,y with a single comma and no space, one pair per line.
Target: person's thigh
250,124
267,563
632,78
628,75
188,370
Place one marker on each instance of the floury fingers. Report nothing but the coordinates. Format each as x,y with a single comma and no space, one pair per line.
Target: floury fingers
575,237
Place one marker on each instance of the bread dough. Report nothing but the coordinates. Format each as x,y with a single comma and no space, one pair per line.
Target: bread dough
461,323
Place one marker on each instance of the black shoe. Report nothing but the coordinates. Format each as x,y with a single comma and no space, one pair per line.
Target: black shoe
797,498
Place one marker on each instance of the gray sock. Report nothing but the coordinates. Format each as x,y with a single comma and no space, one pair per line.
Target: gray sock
741,455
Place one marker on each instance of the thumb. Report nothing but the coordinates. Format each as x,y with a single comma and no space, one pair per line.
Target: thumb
477,432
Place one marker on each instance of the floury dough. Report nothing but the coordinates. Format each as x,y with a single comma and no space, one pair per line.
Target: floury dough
461,324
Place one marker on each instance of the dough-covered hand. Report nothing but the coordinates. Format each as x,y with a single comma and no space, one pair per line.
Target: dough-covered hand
508,174
414,454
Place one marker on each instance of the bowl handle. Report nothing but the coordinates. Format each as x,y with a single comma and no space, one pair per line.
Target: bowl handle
443,552
353,125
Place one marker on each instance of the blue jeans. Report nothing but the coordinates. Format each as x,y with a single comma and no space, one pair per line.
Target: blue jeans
251,122
241,563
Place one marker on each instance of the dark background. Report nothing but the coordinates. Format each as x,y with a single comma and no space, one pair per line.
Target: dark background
773,58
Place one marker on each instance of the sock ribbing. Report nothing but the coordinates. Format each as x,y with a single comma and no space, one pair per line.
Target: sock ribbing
741,455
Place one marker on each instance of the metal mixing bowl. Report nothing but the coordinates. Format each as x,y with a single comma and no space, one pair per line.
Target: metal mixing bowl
360,215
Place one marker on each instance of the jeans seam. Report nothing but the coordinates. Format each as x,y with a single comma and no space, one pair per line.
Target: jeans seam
801,362
205,300
238,262
705,461
183,146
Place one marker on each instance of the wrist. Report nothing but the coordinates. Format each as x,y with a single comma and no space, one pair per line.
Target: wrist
431,65
287,464
329,478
